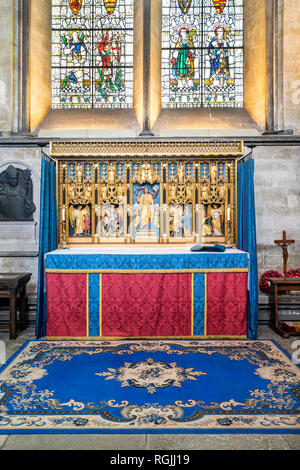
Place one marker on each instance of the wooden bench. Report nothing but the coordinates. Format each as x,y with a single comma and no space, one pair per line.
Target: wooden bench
281,285
13,285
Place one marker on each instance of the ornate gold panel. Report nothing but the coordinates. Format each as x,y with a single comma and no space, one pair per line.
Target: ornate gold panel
146,198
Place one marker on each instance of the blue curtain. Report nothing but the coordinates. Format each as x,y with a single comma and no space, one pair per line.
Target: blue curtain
48,238
247,237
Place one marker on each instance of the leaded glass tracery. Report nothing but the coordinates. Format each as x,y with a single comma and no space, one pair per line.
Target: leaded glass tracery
92,53
202,53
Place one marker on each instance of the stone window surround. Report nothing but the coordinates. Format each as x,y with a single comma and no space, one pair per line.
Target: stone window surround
146,114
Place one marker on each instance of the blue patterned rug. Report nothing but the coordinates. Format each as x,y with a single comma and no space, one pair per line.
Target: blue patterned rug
149,387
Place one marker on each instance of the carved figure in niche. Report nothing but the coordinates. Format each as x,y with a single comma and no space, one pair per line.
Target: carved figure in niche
87,222
176,219
205,191
146,174
71,192
222,191
16,195
88,192
180,173
214,174
78,219
172,192
120,192
111,221
189,193
103,192
79,174
216,214
207,226
188,220
145,201
111,174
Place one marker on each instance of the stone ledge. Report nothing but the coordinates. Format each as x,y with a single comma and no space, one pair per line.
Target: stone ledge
12,140
19,254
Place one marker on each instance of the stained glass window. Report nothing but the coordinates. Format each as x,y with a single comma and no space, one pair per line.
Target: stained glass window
92,53
202,53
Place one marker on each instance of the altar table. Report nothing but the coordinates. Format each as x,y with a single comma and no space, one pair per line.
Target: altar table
146,292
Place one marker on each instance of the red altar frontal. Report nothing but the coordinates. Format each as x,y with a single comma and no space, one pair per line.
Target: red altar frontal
140,293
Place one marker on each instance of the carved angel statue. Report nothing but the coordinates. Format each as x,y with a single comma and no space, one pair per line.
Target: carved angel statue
216,214
80,219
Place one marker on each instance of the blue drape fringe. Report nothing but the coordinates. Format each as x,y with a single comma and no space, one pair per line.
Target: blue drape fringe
247,237
48,238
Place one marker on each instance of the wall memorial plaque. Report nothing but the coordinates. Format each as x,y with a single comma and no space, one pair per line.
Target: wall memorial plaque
16,195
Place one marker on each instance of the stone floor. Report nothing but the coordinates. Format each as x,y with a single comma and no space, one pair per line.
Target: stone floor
147,441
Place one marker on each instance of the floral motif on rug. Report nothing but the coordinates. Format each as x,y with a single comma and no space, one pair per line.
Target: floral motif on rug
151,374
150,386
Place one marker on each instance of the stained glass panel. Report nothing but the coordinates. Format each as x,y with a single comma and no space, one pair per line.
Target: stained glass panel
202,53
92,53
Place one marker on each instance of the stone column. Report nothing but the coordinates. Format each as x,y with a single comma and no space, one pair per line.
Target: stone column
270,28
6,65
278,75
275,69
146,65
24,64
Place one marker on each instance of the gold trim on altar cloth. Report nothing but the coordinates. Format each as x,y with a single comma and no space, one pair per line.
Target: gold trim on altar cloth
143,271
122,192
121,338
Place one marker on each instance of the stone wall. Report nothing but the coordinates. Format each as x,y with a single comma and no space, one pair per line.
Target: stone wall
277,197
291,41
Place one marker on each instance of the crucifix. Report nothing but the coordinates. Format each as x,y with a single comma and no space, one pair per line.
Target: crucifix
284,243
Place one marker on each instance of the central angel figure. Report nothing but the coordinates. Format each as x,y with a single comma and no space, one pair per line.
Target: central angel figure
80,219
